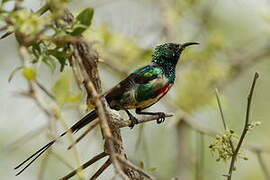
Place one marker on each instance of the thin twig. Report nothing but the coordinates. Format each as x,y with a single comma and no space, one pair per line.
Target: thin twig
85,165
45,90
263,166
220,109
200,156
223,118
62,160
142,119
246,127
140,137
44,163
51,113
101,169
139,170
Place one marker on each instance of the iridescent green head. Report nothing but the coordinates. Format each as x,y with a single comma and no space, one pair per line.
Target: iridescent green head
169,53
167,56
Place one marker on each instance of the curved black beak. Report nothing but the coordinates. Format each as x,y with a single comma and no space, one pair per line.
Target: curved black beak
184,45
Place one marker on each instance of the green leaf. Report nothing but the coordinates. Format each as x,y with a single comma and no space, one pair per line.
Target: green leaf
4,1
61,88
141,165
29,73
78,30
151,169
85,20
61,56
74,98
85,17
50,62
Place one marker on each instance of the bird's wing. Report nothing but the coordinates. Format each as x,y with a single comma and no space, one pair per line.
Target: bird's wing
140,76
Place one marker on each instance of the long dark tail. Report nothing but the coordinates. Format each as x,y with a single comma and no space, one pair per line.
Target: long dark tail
76,127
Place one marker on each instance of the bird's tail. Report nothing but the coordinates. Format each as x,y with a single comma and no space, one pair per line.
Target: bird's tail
76,127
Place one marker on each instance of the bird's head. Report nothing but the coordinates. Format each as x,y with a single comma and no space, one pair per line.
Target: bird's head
169,52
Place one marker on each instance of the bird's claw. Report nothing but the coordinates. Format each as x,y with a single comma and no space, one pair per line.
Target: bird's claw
161,117
134,121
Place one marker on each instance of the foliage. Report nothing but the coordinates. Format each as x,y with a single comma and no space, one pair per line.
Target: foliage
62,90
46,36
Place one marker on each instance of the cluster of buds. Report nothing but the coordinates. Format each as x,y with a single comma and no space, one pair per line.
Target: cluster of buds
223,145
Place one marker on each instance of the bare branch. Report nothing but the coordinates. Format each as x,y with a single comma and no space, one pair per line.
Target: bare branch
263,165
246,127
62,160
139,170
45,90
44,163
222,117
85,165
143,119
101,169
220,109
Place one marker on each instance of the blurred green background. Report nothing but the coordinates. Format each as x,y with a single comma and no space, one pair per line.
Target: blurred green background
234,37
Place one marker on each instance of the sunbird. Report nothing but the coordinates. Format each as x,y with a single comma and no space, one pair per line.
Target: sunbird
140,90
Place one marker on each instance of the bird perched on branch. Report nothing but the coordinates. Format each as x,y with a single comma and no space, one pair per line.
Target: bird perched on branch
140,90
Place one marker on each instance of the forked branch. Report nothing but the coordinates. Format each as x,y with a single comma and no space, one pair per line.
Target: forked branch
245,129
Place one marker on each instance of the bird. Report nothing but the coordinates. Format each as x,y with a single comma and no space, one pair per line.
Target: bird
140,90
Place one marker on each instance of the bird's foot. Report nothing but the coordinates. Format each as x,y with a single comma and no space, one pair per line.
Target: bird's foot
134,121
161,117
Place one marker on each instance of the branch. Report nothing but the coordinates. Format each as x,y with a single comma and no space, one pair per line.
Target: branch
85,165
101,169
263,165
199,166
121,123
246,127
51,113
220,109
139,170
222,117
88,65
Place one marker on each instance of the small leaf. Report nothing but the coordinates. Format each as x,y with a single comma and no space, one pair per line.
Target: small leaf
50,62
78,30
85,20
85,17
29,73
141,165
61,88
151,169
74,98
61,56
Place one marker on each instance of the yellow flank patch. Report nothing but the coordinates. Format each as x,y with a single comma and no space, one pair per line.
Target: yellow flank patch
148,102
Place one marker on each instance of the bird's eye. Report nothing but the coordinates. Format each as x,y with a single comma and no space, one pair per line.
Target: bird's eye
173,46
